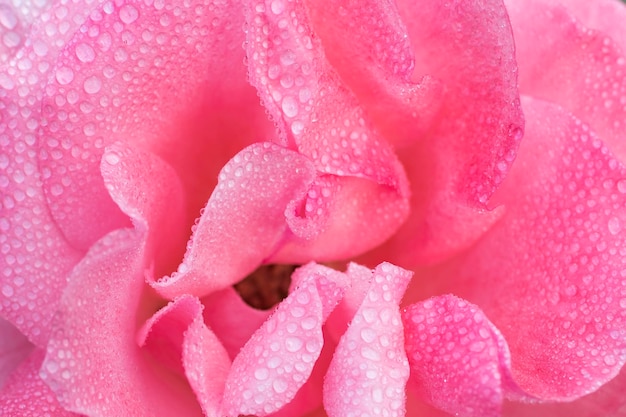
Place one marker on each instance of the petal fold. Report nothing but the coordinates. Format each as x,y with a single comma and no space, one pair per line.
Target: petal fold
369,369
243,221
280,356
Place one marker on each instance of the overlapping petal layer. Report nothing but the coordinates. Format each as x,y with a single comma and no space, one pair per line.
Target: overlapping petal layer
369,370
579,68
554,264
243,221
169,81
319,116
470,145
459,361
14,347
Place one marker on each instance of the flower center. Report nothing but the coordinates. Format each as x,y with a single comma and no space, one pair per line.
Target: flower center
267,286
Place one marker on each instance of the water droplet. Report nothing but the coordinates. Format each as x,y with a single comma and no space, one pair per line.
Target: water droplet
277,6
293,344
112,158
128,14
7,290
290,106
64,75
261,374
8,18
85,52
614,226
279,385
92,85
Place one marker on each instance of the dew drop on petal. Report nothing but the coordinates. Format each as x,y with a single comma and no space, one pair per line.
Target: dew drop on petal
64,75
128,14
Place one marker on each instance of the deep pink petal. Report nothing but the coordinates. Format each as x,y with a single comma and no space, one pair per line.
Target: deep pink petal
168,78
369,369
377,61
94,339
231,319
14,348
243,221
318,115
280,355
471,144
26,395
459,360
550,274
580,69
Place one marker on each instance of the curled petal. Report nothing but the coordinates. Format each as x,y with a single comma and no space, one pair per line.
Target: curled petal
319,116
129,176
243,221
177,336
280,356
459,361
369,369
14,348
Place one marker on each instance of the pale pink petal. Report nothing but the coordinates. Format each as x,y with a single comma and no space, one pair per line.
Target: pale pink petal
550,274
564,62
377,61
168,78
94,339
26,395
37,258
14,348
243,221
608,401
606,16
130,176
459,360
36,266
319,116
231,319
469,148
177,337
369,369
280,355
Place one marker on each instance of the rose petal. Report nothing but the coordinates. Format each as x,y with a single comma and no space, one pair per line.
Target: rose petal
14,348
459,361
130,176
94,339
26,395
369,370
243,220
176,336
172,92
31,287
377,61
280,355
550,274
319,116
231,319
470,146
578,68
608,401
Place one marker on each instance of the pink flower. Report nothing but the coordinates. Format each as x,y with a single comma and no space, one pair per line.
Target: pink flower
394,137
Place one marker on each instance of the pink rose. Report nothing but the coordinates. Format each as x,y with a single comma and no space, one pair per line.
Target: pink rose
385,133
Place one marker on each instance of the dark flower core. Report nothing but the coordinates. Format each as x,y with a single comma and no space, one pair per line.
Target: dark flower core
267,286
